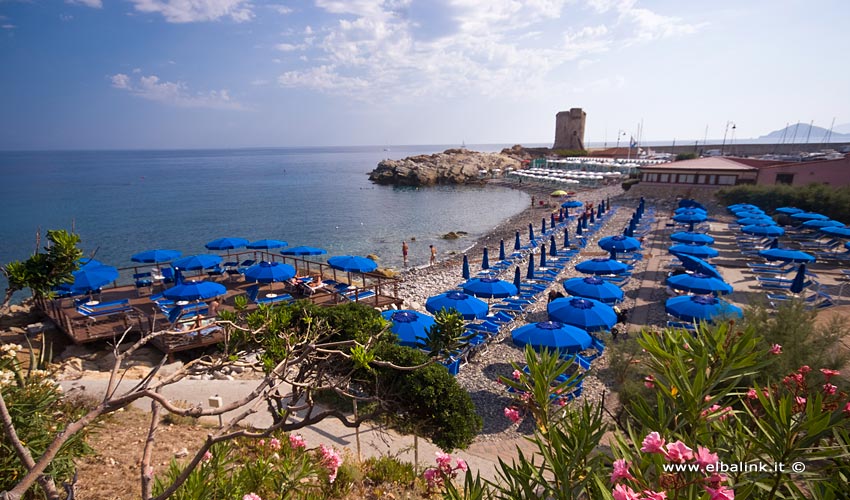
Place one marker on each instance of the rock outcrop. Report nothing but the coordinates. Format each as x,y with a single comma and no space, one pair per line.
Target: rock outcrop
453,166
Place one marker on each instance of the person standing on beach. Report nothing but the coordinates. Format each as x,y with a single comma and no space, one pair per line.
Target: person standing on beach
532,201
404,250
433,254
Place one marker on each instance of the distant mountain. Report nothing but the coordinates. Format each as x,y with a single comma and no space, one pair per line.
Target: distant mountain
799,132
844,128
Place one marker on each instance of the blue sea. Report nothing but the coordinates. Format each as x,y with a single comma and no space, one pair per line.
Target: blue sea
124,202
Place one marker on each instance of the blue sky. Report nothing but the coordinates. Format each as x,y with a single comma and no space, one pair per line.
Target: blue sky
104,74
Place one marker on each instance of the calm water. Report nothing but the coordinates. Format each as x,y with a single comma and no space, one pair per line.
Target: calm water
123,202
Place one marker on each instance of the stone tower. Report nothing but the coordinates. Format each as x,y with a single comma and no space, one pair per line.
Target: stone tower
569,129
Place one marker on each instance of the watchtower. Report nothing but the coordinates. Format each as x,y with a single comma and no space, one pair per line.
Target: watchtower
569,129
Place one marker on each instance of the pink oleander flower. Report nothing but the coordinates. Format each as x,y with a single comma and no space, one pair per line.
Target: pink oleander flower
797,377
623,492
649,382
653,443
443,460
721,493
297,441
829,389
716,479
707,398
461,465
516,374
829,373
704,457
800,400
708,411
776,349
562,402
331,459
252,496
805,369
512,414
274,444
262,442
433,478
751,394
207,456
621,471
678,452
846,409
653,495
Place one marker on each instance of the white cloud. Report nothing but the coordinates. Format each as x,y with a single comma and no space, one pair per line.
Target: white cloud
192,11
66,17
281,9
174,93
497,48
8,26
95,4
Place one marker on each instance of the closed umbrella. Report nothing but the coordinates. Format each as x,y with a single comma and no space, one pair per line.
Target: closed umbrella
701,251
411,327
490,288
566,238
266,244
530,234
701,308
553,250
578,228
155,256
601,265
517,245
501,249
543,226
530,273
194,290
692,238
699,283
763,230
465,267
553,336
485,261
786,255
798,284
468,306
226,243
588,314
196,262
517,278
594,288
552,219
543,256
304,250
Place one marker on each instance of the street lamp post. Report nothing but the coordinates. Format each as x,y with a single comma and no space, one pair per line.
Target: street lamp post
620,133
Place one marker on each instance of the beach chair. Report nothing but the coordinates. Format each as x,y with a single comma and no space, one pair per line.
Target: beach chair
167,274
215,272
143,283
578,359
682,325
252,292
279,299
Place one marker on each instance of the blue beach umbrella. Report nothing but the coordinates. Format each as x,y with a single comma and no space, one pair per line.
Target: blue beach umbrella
701,251
809,216
552,335
517,245
517,278
465,268
411,327
91,277
698,265
690,216
843,232
304,250
619,243
786,255
689,210
194,290
692,238
87,262
530,273
485,261
543,256
601,265
266,244
566,238
594,288
226,243
763,230
746,212
818,223
689,203
468,306
543,226
501,249
553,250
352,264
588,314
592,217
572,204
489,288
798,284
847,245
530,234
700,308
583,220
269,272
699,283
196,262
789,210
552,220
747,221
155,256
578,228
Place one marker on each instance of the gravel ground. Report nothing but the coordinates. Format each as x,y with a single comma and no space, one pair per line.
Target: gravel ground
480,375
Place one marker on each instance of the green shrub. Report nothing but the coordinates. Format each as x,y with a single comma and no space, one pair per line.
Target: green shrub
685,156
388,470
628,183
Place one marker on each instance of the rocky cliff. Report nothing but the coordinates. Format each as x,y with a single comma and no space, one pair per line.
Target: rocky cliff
453,166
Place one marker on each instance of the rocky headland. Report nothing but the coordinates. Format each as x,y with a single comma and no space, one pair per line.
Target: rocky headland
453,166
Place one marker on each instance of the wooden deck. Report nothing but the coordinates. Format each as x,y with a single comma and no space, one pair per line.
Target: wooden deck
143,316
